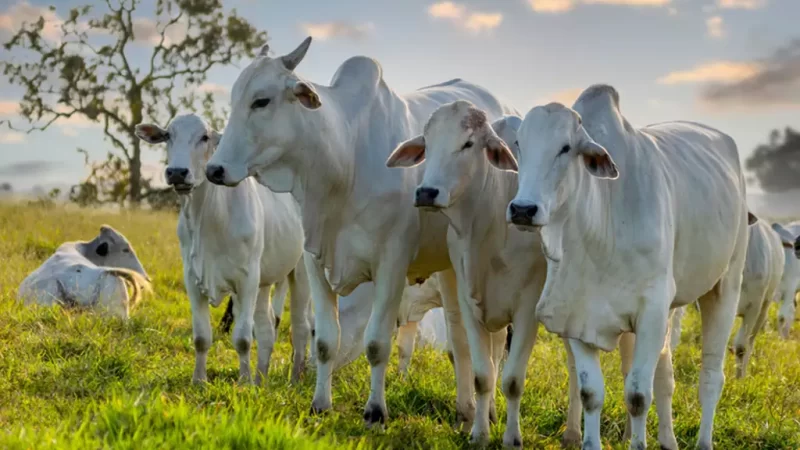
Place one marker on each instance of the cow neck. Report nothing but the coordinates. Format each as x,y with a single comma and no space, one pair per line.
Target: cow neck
206,203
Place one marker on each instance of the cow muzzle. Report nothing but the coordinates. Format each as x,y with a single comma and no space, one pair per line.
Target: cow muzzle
178,178
524,215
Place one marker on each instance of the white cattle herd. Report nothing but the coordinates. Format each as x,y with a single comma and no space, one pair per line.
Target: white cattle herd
569,217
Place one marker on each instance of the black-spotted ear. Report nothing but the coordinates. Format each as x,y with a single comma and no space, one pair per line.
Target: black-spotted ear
102,249
408,153
151,133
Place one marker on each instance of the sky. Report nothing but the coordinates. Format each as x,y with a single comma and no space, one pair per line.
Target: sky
731,64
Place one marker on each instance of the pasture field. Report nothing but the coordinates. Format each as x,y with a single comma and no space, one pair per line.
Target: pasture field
77,380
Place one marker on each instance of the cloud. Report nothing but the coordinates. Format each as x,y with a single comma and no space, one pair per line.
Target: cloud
149,31
775,82
566,97
474,21
11,20
330,30
214,88
478,22
11,137
715,27
446,10
8,107
562,6
715,71
28,168
741,4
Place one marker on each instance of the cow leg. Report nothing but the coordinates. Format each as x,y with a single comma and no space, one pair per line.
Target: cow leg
298,308
675,331
717,312
498,351
389,284
787,311
626,345
245,303
265,334
651,335
405,346
459,349
572,435
279,299
525,328
326,329
592,391
201,327
760,321
663,388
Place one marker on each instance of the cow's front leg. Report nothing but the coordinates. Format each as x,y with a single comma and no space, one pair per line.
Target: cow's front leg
498,340
245,303
525,327
390,280
201,327
298,308
265,334
459,349
326,331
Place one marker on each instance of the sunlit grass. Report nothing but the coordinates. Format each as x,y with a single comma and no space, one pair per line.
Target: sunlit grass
79,380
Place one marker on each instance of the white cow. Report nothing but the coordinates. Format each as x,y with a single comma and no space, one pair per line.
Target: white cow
237,241
327,145
790,282
93,274
500,271
622,252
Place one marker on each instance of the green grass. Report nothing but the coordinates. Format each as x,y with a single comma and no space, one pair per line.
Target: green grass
79,380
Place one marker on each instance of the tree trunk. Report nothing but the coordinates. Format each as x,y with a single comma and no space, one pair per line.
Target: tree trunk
135,176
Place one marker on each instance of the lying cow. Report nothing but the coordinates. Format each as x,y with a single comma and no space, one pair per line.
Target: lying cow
609,202
790,282
327,146
93,274
237,241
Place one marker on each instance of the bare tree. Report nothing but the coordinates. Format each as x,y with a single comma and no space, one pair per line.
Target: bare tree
89,73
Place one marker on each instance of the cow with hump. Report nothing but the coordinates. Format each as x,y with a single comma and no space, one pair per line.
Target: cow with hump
327,146
239,241
627,238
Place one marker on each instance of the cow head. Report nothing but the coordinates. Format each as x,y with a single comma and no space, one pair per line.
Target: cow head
454,142
268,106
190,143
111,249
553,148
786,237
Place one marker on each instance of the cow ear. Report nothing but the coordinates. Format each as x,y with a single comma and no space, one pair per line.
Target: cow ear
151,133
102,249
596,158
306,94
499,155
408,153
215,137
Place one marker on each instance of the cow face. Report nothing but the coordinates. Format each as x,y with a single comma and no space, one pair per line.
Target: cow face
111,249
268,106
190,143
553,149
456,138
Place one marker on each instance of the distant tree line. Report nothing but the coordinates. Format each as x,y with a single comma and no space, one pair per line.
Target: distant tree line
776,164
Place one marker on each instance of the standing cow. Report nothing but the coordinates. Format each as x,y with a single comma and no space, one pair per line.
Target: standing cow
627,238
790,282
327,146
237,241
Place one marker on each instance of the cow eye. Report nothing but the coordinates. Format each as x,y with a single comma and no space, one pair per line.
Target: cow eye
467,145
260,103
564,149
204,138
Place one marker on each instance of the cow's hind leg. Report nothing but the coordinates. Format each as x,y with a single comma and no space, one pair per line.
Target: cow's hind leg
718,311
298,309
592,391
265,334
514,371
406,335
498,352
627,343
245,303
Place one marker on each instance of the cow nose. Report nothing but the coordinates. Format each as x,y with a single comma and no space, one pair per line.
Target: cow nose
215,174
176,175
522,214
426,196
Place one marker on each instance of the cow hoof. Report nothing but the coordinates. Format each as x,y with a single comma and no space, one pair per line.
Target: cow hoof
374,415
512,441
704,446
571,439
479,439
319,407
464,419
